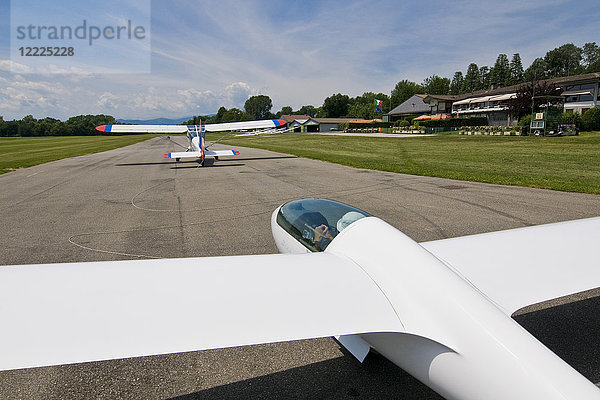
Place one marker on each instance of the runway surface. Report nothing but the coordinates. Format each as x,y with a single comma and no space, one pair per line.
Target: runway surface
131,202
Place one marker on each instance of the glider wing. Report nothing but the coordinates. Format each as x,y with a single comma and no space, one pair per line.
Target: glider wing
78,312
519,267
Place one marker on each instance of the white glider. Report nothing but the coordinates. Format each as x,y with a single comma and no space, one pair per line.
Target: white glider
196,143
440,310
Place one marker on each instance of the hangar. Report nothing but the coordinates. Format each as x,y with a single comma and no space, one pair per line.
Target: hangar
307,124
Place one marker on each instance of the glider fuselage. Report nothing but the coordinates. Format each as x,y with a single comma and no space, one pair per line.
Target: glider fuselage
454,339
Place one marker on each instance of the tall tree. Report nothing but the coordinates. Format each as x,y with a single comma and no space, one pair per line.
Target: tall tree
594,67
537,70
86,124
457,82
484,77
309,110
403,91
237,115
287,110
218,118
564,60
46,127
472,81
516,69
336,105
259,106
436,85
364,106
591,55
26,126
500,74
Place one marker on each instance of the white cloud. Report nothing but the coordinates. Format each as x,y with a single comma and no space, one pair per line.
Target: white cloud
108,101
237,93
11,66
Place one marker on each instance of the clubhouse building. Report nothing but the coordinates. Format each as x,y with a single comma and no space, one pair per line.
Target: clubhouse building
579,93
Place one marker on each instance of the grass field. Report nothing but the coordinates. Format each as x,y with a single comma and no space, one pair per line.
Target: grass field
559,163
22,152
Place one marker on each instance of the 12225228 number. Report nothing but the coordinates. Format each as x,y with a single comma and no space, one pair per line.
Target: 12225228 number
48,51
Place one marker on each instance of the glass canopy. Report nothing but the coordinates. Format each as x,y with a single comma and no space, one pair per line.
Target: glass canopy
316,222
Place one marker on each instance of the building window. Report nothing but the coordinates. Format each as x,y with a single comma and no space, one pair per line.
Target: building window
582,86
579,98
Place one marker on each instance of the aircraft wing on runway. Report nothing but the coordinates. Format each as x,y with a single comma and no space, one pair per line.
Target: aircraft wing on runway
244,125
142,128
69,313
184,154
195,133
196,154
519,267
219,153
222,127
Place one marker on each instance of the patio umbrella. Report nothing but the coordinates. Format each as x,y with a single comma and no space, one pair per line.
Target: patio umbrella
422,117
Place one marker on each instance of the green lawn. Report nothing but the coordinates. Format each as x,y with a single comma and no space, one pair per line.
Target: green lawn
22,152
559,163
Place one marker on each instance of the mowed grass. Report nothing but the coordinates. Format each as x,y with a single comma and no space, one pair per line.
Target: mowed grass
22,152
560,163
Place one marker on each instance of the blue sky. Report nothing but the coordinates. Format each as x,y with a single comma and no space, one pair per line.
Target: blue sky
207,54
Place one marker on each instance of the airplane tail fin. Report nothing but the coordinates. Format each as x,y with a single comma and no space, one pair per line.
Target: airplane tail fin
196,135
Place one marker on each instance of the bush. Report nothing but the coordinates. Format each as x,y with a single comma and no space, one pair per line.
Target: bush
525,120
455,122
571,118
590,120
358,125
403,123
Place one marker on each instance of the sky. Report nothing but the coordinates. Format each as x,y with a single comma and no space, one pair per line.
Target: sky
196,56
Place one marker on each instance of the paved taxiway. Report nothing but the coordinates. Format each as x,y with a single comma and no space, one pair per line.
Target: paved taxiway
131,202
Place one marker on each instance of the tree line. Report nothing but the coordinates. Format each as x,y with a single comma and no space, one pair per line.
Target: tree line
81,125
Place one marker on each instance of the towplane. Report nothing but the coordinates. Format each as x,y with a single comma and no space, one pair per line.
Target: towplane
197,147
440,310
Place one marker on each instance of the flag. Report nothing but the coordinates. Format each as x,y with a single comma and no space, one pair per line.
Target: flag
378,102
377,109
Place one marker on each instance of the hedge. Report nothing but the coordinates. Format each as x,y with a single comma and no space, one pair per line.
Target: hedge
455,122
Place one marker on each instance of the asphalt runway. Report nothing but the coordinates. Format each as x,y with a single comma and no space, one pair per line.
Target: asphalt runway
131,202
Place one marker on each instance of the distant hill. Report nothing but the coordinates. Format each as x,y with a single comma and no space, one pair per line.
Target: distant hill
155,121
